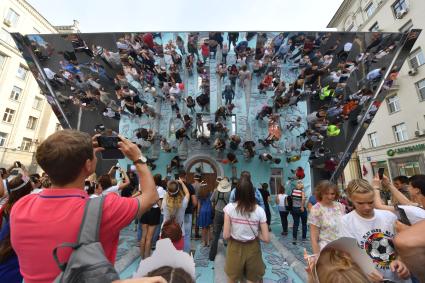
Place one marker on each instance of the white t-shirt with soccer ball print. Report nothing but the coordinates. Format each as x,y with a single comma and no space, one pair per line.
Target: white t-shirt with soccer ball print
375,236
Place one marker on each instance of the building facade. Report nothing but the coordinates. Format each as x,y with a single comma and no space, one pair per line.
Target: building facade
25,116
395,140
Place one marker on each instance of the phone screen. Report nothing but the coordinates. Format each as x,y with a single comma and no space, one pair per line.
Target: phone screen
381,173
401,215
110,144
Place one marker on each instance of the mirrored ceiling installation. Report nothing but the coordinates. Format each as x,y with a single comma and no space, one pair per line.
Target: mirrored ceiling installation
293,105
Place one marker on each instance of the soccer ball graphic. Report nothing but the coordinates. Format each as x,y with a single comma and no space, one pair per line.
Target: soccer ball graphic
380,249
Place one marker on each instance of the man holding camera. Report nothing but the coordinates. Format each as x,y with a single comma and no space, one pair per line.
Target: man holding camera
41,222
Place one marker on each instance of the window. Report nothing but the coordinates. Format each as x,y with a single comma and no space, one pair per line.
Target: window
373,139
8,115
11,18
16,93
22,72
3,138
276,179
406,27
32,122
350,27
393,104
408,168
370,9
400,5
416,58
26,144
6,37
2,60
421,89
400,132
38,103
374,27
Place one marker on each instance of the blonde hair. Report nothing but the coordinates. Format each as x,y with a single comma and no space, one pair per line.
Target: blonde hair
174,202
323,187
358,186
335,266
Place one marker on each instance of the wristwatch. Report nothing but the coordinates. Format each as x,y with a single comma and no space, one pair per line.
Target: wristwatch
140,160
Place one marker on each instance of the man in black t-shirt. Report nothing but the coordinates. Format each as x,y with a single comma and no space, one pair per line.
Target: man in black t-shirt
193,203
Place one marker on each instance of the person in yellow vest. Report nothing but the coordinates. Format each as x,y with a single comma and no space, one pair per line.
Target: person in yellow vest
333,131
325,93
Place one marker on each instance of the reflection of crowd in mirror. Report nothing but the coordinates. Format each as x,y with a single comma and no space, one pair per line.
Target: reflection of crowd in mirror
146,69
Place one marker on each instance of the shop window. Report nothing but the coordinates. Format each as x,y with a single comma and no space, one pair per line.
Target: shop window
408,168
380,164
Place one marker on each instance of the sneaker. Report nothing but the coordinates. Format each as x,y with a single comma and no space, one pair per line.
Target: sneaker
294,242
304,241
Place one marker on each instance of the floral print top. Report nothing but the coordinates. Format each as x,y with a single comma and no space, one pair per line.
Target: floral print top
327,219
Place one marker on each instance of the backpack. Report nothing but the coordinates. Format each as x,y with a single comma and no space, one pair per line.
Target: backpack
87,262
288,207
220,196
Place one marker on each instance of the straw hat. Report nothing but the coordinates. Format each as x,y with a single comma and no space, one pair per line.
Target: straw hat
224,186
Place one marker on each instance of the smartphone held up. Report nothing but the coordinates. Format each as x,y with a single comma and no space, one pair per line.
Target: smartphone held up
110,144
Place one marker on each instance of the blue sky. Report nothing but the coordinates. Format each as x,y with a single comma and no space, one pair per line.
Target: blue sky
184,15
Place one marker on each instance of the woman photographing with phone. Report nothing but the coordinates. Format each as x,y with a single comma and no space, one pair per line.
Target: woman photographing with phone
245,224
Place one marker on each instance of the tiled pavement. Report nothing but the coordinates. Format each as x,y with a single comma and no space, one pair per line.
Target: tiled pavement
281,257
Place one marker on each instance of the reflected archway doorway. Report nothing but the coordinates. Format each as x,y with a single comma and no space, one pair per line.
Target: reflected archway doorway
207,167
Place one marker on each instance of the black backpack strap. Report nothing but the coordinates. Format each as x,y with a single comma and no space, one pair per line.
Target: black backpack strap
90,226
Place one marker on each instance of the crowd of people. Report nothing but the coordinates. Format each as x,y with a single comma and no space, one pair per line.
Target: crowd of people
240,213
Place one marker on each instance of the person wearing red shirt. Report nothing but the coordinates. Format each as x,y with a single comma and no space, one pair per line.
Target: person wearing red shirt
205,51
41,222
148,40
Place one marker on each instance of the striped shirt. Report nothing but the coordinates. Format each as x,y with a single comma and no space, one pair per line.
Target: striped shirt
297,196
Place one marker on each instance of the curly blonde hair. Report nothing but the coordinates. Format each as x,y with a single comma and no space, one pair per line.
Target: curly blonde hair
323,187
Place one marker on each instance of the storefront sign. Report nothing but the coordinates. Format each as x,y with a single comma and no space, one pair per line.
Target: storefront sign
406,149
